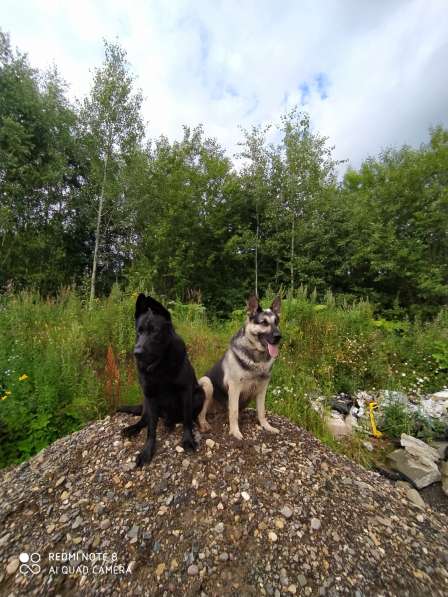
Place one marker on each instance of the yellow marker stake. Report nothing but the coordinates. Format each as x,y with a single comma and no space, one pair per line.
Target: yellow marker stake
372,406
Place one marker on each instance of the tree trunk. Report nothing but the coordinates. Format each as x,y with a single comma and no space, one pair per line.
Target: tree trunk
292,251
256,259
97,236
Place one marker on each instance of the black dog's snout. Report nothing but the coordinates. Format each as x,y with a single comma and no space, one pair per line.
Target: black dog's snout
138,352
277,336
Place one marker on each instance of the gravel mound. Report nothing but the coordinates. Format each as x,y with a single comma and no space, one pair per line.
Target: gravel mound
274,515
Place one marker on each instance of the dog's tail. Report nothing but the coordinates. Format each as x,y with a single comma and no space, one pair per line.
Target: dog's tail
135,409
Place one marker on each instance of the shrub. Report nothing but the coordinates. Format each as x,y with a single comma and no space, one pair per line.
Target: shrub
79,363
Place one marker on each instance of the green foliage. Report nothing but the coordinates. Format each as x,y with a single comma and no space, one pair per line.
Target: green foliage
178,218
441,355
111,131
60,347
78,362
43,243
80,186
396,420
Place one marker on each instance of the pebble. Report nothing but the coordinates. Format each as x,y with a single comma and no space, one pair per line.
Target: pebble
160,570
272,536
64,495
286,512
179,449
156,547
219,528
193,570
50,528
302,580
245,496
129,466
12,566
210,443
292,589
105,524
133,532
279,523
315,524
224,556
99,509
59,481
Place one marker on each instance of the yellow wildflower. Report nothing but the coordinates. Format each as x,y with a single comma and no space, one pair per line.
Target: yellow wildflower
23,377
8,392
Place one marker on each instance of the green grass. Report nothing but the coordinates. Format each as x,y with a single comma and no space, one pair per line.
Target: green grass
79,365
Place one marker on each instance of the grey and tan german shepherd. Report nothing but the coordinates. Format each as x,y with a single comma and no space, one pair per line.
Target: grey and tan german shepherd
244,371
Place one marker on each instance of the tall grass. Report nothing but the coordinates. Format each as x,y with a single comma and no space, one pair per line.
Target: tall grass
62,364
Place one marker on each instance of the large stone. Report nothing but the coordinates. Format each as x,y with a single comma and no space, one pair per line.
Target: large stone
444,471
421,471
442,449
442,395
445,485
418,448
338,425
412,494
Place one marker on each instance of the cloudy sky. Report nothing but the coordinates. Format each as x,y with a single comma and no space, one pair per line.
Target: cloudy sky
371,73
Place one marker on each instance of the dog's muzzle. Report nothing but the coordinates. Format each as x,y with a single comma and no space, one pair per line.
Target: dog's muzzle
272,344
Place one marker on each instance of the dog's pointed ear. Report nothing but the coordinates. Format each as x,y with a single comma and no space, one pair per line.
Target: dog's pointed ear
141,305
158,308
253,306
276,304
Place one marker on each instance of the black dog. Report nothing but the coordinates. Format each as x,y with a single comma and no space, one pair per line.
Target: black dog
168,381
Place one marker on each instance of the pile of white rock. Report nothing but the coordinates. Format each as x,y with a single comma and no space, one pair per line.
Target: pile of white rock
421,463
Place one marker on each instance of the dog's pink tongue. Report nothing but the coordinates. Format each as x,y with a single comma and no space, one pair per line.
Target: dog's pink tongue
273,350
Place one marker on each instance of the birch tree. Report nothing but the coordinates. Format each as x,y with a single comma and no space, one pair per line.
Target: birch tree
113,129
308,168
255,171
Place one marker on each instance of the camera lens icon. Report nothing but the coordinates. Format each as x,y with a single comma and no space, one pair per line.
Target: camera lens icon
33,567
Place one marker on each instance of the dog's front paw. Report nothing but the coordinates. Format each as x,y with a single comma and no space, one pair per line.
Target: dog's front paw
189,443
204,426
269,428
130,431
143,457
236,434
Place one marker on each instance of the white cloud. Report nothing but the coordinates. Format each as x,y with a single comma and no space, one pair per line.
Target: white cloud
232,63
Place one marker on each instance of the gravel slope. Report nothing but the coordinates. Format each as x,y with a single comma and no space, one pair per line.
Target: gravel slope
274,515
